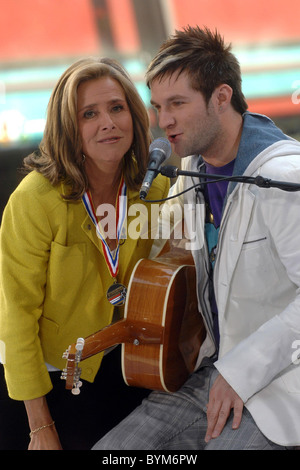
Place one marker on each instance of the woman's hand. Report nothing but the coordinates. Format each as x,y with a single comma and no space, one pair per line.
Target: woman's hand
45,439
43,432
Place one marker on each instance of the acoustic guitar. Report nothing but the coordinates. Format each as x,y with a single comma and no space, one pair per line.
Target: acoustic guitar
162,329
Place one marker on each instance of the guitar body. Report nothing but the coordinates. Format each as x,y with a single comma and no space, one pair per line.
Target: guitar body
163,292
162,329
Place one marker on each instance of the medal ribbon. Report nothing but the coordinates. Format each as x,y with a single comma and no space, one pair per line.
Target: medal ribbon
112,260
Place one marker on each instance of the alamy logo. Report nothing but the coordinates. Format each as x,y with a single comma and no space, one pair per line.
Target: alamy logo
2,93
137,224
2,352
296,354
296,93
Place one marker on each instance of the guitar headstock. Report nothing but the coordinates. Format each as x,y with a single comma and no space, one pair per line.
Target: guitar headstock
71,374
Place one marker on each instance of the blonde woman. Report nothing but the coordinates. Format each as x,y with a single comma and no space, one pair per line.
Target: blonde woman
56,269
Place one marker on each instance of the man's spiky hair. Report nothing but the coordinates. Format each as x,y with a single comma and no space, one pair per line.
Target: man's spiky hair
203,55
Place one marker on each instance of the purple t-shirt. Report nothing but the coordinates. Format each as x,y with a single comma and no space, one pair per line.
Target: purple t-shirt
215,192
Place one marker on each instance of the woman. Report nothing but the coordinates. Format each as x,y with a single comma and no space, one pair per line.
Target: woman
60,261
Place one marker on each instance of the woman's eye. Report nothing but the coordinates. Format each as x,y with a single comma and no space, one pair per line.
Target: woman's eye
89,114
117,108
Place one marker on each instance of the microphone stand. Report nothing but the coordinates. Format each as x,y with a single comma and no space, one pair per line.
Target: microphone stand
172,172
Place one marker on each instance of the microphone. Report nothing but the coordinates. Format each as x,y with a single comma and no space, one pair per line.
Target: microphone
159,151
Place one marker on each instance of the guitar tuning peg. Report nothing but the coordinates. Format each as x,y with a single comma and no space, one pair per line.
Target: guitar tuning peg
66,354
76,389
80,344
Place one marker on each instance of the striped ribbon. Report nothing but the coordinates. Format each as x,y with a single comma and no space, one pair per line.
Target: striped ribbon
112,259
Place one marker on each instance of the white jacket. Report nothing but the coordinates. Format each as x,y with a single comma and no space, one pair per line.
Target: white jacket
257,288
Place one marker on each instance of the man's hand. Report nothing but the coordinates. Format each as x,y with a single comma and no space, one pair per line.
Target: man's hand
222,398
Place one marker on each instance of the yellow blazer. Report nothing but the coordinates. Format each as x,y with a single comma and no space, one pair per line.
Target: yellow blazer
54,279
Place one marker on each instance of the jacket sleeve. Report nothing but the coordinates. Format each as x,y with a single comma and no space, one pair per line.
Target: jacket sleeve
267,353
175,209
24,252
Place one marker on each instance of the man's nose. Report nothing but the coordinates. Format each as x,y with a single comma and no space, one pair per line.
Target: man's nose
165,120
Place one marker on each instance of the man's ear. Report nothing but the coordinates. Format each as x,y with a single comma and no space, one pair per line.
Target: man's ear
222,97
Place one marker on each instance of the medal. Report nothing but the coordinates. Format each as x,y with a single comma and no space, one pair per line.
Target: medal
116,294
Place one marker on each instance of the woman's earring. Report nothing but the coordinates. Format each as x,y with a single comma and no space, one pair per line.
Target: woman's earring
83,158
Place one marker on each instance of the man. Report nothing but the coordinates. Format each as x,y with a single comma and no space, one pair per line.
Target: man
246,392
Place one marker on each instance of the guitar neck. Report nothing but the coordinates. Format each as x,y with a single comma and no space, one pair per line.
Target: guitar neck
123,331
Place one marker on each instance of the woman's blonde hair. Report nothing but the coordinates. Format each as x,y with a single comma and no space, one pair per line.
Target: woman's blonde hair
60,153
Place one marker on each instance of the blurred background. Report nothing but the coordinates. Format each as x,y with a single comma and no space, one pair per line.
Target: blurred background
41,38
